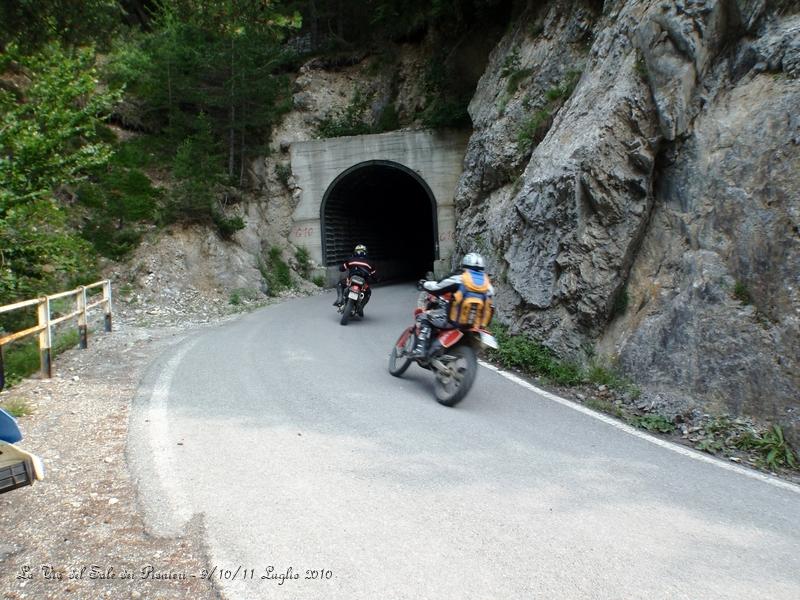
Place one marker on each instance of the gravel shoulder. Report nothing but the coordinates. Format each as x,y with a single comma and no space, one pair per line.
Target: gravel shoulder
80,532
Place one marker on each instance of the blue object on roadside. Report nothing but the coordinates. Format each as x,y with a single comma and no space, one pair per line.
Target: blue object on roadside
9,432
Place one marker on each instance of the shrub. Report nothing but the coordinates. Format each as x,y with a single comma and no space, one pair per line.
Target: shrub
350,120
741,293
283,173
303,261
275,272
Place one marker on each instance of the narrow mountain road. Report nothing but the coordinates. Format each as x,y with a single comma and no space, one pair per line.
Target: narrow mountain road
308,459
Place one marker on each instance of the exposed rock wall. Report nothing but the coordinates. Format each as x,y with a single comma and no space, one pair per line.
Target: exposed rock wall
657,218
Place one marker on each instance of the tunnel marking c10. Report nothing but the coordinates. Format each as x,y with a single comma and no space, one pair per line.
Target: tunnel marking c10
303,232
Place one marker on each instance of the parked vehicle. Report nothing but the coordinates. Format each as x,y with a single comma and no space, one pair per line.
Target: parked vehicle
452,356
18,468
355,296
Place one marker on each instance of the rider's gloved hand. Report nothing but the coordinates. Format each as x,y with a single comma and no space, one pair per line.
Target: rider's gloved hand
421,284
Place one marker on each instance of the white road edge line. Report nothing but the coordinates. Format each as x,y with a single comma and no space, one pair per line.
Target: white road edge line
160,444
644,436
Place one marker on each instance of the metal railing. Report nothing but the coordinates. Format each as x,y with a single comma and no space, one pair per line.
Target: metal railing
44,327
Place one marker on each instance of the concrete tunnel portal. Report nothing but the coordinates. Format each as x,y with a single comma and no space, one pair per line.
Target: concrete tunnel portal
392,191
387,207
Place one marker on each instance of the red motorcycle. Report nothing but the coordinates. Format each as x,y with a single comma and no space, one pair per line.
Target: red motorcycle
452,356
355,295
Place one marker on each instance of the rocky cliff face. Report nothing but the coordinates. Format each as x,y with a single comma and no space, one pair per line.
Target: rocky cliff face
633,176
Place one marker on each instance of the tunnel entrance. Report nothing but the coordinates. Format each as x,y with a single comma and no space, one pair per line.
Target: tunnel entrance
389,208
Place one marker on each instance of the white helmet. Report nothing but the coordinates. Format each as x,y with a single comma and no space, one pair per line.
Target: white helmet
473,261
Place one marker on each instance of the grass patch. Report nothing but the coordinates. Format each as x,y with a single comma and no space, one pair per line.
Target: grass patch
21,359
771,446
303,261
318,280
16,407
521,353
533,130
741,293
275,272
241,295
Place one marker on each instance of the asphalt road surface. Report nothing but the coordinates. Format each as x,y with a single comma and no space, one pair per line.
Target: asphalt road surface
306,458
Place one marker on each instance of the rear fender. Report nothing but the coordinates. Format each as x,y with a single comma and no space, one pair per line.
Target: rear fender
449,337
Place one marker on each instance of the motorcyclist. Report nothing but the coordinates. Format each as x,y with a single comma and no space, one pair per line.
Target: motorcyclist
438,318
355,265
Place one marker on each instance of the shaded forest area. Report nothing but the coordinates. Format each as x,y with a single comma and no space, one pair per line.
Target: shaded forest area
97,96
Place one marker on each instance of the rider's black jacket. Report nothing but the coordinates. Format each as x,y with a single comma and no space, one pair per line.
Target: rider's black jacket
358,265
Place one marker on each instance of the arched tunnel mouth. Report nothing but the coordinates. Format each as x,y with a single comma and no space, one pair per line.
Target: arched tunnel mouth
391,210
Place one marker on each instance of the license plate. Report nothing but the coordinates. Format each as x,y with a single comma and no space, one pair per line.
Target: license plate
487,339
353,295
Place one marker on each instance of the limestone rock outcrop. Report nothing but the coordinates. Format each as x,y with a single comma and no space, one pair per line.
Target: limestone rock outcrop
652,213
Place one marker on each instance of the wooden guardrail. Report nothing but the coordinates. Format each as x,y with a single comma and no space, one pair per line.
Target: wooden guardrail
44,327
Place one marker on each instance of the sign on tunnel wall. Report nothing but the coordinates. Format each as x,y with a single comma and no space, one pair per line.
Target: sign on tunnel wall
393,189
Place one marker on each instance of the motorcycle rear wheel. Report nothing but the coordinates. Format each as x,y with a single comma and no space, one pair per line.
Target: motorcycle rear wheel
450,388
398,364
348,310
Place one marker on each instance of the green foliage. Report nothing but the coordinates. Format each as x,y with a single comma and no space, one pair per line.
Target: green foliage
303,261
773,448
446,101
48,140
742,293
535,127
515,79
283,172
220,59
653,422
318,280
227,226
144,152
520,352
621,302
388,120
16,407
351,120
21,359
511,63
275,272
400,19
533,130
32,24
119,200
198,183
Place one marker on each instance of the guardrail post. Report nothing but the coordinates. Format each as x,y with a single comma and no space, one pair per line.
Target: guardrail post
82,328
45,339
107,301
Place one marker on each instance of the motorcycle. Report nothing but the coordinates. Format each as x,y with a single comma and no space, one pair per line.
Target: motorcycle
452,356
18,468
354,296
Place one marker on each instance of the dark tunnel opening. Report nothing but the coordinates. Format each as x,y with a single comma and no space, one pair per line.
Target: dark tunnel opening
391,210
